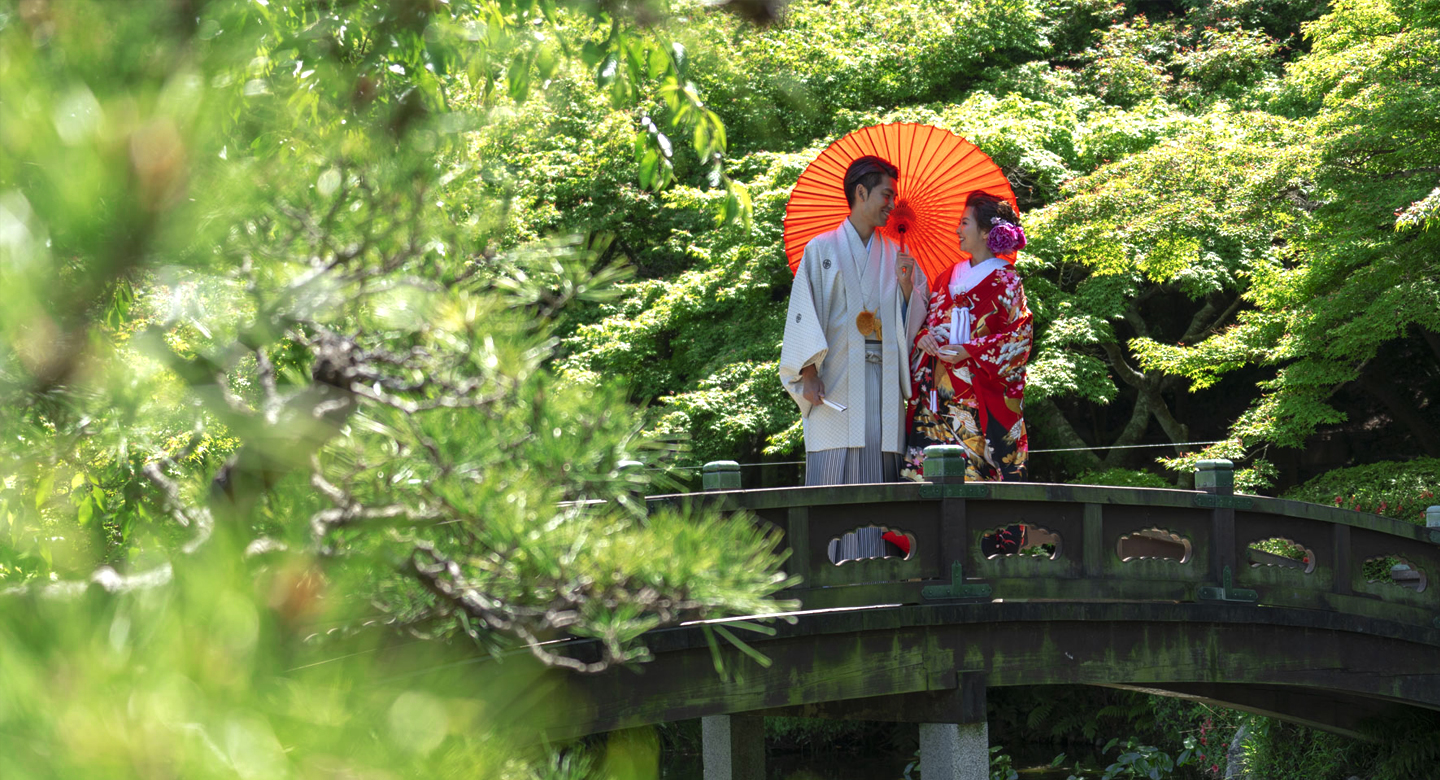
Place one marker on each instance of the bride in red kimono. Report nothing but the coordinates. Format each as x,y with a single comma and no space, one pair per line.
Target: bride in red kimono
968,368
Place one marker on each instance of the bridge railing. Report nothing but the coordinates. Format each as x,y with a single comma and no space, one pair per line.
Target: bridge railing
946,540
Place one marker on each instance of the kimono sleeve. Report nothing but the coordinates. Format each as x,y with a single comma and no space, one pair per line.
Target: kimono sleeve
918,309
1003,353
805,342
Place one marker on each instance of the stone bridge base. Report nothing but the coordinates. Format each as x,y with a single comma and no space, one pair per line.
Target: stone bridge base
954,735
734,749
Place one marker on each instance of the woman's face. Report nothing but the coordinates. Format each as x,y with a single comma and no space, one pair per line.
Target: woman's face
972,239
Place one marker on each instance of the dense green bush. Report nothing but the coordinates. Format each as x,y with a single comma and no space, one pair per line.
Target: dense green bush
1400,490
1123,478
1281,751
782,88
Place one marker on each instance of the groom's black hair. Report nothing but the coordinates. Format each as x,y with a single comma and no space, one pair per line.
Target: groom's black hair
866,172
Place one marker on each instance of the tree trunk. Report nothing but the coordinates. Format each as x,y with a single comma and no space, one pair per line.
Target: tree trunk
1404,413
1059,430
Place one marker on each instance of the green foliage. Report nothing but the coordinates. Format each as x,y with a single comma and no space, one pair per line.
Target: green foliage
1286,752
1127,65
1252,478
1168,256
213,680
1282,547
1201,733
319,315
782,88
1069,713
1000,765
704,341
1136,760
1352,282
1122,478
1072,26
278,387
1401,747
1224,59
1399,490
1408,747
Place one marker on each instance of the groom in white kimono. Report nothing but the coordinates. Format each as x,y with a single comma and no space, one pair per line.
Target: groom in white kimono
855,308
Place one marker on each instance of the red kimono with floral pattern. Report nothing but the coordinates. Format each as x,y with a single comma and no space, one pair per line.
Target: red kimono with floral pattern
977,403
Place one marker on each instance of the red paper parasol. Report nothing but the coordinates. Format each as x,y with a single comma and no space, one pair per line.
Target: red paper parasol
938,169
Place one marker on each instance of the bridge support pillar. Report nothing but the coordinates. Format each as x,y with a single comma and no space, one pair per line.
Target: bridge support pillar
959,747
955,751
733,747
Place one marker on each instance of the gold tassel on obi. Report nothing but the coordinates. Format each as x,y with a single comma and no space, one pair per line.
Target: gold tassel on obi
867,323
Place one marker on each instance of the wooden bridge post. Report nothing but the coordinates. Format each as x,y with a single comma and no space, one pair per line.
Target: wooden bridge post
720,475
733,746
945,466
1217,477
959,750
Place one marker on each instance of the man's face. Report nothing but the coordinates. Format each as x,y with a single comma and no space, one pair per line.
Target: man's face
874,205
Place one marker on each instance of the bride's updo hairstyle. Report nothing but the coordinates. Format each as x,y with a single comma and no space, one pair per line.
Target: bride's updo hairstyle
996,217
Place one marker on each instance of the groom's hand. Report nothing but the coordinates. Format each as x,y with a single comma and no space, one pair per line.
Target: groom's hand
814,389
905,273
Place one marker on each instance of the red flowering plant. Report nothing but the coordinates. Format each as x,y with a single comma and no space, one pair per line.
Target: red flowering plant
1401,490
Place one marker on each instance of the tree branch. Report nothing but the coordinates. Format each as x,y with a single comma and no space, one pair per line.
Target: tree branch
1127,374
1134,430
1431,338
1404,412
1059,428
1148,387
1411,171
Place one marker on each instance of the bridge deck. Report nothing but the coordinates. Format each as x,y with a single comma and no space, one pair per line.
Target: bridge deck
1315,614
905,663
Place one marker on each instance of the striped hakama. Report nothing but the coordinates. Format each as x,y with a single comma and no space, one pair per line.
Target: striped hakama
858,465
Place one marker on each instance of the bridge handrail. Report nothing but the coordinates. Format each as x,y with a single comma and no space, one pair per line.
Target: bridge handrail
837,495
1108,544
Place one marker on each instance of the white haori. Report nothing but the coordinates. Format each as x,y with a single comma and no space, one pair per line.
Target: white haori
837,277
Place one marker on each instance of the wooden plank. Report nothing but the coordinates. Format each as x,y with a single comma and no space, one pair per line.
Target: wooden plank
1160,588
860,595
1093,545
797,535
802,671
1222,542
872,653
963,703
1340,559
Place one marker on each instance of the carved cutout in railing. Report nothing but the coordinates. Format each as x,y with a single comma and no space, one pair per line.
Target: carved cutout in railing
1281,552
1022,540
871,542
1394,570
1153,543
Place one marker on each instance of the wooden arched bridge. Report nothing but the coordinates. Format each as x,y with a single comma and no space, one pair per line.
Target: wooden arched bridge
1312,614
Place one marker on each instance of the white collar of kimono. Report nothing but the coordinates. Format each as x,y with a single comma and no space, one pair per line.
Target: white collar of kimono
971,275
867,244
